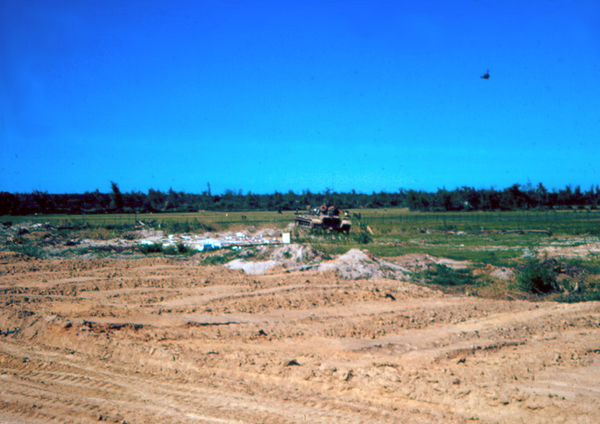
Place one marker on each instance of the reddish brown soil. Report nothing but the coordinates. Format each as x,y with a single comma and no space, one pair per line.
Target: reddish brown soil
168,341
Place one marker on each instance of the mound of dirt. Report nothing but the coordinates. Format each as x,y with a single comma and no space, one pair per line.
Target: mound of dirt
289,256
503,274
354,265
252,268
296,254
358,264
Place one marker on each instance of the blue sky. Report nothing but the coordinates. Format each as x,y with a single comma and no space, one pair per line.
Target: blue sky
293,95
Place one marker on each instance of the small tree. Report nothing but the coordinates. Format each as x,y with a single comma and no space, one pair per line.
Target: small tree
117,197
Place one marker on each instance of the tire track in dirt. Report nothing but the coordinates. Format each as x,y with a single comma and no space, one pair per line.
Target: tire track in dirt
169,401
222,347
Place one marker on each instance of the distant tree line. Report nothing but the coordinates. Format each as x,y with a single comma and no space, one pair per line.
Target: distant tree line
515,197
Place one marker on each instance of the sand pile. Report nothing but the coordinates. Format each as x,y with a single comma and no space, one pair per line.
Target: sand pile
353,265
359,264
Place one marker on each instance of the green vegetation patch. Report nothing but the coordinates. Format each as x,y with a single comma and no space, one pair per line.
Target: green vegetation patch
536,277
150,248
219,258
171,250
443,275
585,292
29,250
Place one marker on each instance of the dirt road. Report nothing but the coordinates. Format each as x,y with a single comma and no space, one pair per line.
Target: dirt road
167,341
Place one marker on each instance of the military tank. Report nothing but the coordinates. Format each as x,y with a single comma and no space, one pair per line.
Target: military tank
325,217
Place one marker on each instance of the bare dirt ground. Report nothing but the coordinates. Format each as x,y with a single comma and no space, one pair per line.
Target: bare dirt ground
164,340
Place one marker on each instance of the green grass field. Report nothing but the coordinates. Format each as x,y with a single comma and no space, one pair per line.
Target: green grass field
391,220
382,221
475,236
219,220
562,222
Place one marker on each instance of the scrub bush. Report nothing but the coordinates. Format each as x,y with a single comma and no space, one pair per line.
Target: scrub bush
170,250
150,248
363,237
536,277
29,250
443,275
